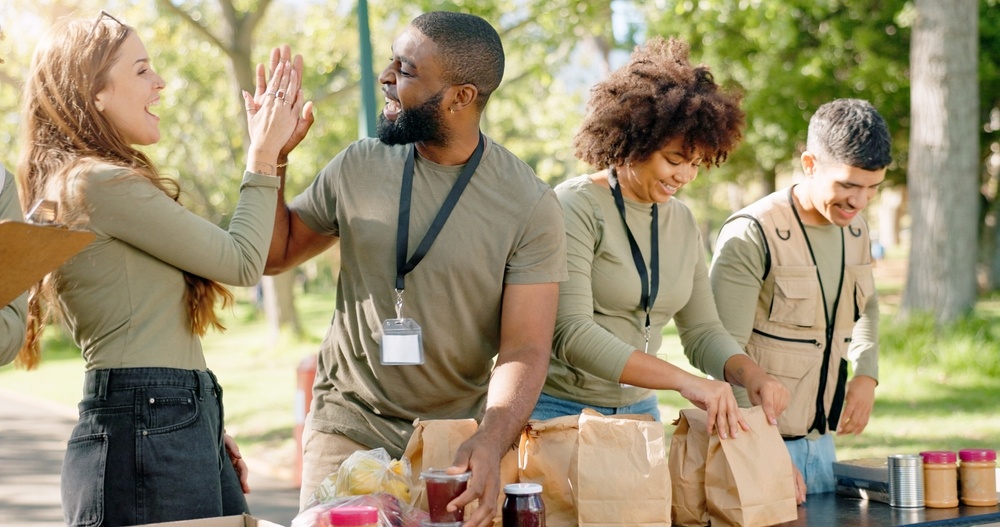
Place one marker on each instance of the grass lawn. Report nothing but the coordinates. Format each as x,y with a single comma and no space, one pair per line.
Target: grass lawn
938,389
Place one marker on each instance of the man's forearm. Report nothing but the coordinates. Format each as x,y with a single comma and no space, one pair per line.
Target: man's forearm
514,389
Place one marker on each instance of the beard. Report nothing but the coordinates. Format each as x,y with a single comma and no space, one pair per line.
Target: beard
421,124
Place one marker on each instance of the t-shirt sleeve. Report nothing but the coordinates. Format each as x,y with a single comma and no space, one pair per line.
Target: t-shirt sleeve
316,206
540,254
130,208
863,351
737,276
579,339
707,344
13,315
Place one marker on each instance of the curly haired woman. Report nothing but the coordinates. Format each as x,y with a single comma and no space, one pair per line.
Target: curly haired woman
635,254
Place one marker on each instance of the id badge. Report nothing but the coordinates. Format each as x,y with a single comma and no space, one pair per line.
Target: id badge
402,342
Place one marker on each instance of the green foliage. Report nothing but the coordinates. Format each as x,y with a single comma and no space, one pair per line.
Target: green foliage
790,56
969,346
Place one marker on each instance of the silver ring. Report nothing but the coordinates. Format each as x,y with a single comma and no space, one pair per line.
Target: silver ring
271,93
280,94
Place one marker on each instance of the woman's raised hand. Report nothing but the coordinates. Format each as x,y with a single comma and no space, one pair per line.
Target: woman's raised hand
283,55
273,115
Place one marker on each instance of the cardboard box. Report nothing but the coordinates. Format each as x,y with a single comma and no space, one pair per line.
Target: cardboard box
244,520
863,478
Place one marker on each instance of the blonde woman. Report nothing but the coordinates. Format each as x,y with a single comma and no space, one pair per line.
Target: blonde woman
150,444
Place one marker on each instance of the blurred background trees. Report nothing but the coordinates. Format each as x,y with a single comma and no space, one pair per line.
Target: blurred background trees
786,56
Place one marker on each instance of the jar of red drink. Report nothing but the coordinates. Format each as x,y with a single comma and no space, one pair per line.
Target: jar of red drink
442,488
523,505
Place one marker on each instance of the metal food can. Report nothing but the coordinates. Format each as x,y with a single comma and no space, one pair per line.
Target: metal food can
906,481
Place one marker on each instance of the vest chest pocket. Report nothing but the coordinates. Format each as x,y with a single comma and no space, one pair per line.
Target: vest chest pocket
864,287
796,295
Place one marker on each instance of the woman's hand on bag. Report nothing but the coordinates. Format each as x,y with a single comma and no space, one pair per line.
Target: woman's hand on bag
481,456
716,398
768,392
762,389
237,460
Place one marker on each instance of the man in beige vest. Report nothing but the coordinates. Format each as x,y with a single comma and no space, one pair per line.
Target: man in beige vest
792,279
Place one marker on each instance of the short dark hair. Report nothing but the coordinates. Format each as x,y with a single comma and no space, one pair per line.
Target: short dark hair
852,132
470,49
656,97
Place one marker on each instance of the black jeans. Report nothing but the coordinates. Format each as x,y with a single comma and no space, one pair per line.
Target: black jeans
148,448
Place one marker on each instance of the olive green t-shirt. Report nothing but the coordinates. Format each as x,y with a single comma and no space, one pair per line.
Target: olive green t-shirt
601,321
13,315
123,295
505,229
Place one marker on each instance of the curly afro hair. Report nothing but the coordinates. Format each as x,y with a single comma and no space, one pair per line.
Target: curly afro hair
655,98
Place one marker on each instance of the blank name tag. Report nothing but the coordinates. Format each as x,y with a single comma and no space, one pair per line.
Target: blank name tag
402,342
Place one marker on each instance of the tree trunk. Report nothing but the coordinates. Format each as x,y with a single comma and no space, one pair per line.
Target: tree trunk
770,181
236,41
889,202
279,305
943,179
993,273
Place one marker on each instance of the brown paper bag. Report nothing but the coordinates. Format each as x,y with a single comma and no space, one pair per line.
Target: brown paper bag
597,470
547,455
435,443
688,448
748,479
622,472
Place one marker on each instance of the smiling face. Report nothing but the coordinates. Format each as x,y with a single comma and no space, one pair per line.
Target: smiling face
132,88
657,178
834,192
414,89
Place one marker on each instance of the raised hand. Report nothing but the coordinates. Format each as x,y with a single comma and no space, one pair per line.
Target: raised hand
305,118
272,121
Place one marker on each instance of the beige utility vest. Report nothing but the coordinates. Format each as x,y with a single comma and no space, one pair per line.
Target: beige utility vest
792,338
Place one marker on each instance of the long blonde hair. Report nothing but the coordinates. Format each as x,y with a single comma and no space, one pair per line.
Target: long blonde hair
63,134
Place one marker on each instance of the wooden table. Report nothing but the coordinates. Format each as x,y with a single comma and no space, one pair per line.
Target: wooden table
832,510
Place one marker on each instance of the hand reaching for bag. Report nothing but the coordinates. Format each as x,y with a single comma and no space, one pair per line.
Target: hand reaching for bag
716,398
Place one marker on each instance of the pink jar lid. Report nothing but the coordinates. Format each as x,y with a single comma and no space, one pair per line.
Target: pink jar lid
938,456
352,516
977,454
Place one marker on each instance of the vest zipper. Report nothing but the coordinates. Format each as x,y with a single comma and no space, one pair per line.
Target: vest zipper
814,342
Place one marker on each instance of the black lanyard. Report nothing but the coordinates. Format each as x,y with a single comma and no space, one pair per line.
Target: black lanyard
649,287
403,230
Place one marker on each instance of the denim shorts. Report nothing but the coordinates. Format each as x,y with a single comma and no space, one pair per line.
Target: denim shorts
814,459
550,407
148,448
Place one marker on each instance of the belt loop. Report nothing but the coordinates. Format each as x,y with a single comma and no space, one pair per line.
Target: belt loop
101,384
215,383
200,384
